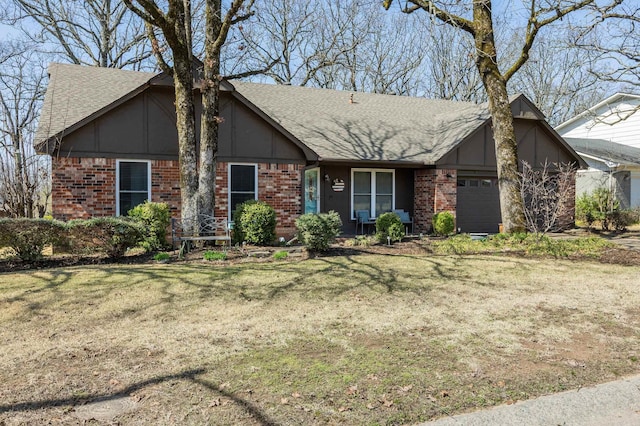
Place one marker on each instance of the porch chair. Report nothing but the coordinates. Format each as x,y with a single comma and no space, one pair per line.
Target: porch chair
362,219
405,218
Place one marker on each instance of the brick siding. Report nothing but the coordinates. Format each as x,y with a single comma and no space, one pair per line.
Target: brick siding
86,187
279,185
435,190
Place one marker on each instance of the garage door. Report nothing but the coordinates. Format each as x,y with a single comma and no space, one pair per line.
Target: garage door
478,208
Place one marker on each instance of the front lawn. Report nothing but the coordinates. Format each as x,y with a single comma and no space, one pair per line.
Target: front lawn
362,339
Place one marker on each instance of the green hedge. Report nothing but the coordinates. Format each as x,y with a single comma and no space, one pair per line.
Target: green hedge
443,223
109,235
155,217
255,223
318,231
389,225
28,237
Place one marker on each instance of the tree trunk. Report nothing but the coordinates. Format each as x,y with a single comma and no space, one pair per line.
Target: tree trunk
185,122
210,108
504,134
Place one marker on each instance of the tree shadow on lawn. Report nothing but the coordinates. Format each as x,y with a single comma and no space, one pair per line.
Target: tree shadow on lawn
190,375
325,276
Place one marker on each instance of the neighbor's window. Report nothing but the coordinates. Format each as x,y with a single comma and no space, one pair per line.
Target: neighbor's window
133,183
372,190
243,185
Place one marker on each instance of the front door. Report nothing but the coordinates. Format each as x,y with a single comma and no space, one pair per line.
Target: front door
311,191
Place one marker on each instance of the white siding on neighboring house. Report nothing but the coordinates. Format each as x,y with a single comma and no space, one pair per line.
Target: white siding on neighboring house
617,121
635,189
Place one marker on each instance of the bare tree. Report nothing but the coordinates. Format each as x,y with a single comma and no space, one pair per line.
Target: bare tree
100,33
197,185
24,176
556,78
450,65
611,43
476,18
548,196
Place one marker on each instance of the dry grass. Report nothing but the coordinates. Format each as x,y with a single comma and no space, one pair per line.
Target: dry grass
337,340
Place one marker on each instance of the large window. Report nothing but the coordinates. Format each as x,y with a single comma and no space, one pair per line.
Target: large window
372,190
133,184
243,185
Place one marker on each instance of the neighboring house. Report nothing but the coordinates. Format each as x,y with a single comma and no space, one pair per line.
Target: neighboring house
607,136
612,166
113,142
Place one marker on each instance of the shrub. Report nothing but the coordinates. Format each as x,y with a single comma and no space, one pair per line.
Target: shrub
211,255
155,217
28,237
110,235
389,225
620,219
255,223
162,256
600,205
280,255
318,231
530,244
443,223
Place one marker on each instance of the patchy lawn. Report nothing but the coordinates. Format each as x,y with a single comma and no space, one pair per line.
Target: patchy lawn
362,339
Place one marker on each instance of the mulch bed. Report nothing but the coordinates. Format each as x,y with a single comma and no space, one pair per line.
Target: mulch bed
616,255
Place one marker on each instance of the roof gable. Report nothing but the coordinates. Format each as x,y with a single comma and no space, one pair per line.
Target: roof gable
76,94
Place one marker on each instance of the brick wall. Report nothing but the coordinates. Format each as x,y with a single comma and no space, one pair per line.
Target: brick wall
279,185
435,190
85,187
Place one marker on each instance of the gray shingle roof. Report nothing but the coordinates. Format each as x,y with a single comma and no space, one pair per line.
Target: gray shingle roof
76,92
606,150
374,127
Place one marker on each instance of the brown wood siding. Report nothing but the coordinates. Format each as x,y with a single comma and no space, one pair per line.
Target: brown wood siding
144,128
535,144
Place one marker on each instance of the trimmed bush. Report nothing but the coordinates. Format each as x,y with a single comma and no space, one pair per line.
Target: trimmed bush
443,223
155,217
389,225
318,231
599,206
110,235
255,223
28,237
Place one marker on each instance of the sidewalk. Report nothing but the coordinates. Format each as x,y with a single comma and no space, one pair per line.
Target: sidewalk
611,404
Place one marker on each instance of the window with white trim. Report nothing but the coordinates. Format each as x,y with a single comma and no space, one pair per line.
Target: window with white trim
372,190
243,185
133,184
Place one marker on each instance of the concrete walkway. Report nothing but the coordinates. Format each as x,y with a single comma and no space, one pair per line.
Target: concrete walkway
611,404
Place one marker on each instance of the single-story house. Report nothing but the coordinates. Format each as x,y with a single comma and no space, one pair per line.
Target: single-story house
607,136
113,142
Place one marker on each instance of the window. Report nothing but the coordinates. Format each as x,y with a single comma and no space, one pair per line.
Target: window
243,185
372,190
133,184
